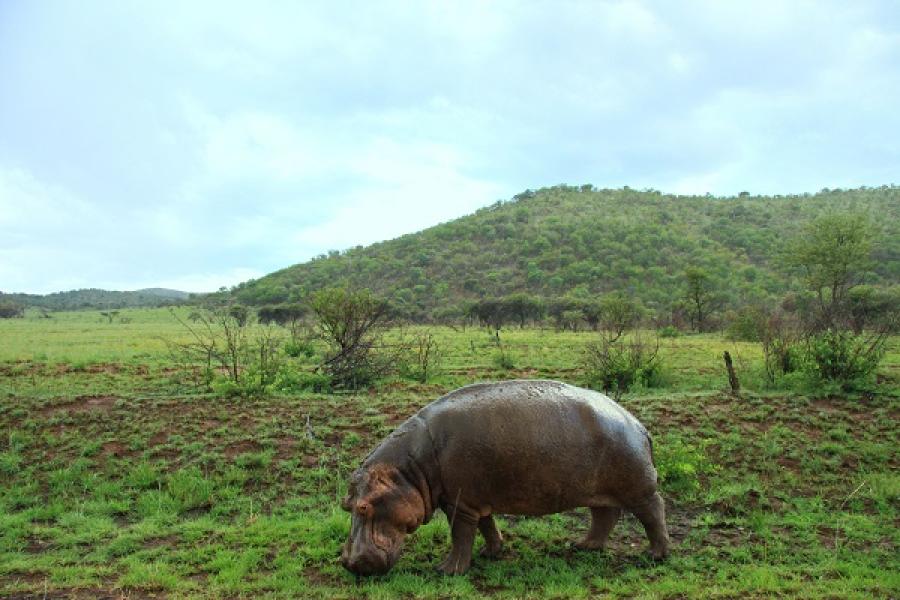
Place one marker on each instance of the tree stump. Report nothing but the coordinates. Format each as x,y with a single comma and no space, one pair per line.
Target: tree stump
732,377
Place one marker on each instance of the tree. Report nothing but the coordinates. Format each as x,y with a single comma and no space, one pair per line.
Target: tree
619,313
523,307
832,253
873,308
701,297
592,312
490,312
846,325
351,323
9,309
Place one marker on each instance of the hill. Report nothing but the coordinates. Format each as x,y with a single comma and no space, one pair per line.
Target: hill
96,298
580,240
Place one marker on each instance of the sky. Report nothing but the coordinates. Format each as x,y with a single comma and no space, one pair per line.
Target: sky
194,145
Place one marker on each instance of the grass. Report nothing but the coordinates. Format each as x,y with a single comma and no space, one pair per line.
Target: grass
119,478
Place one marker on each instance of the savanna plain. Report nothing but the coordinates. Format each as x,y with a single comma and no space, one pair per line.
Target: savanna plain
119,477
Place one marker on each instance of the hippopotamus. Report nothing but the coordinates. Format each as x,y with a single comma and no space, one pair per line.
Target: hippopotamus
521,447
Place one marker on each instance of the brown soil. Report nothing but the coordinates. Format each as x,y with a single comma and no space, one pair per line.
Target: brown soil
82,404
242,447
115,449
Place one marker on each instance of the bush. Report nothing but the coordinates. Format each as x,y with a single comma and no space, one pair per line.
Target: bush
421,358
669,331
248,356
618,366
842,357
289,380
680,466
11,310
503,360
748,324
351,323
298,348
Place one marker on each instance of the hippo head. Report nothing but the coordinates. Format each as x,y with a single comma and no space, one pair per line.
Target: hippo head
384,508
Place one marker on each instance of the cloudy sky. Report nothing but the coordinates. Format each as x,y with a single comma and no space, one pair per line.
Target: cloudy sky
194,145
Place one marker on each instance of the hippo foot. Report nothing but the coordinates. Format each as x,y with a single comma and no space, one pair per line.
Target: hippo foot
659,554
589,544
454,565
491,551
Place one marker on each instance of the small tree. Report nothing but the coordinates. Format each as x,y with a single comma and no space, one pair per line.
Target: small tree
700,297
872,308
592,312
832,254
351,323
10,310
618,314
490,312
111,314
523,308
424,357
846,326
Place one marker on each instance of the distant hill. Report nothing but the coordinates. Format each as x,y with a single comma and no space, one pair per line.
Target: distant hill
580,240
99,299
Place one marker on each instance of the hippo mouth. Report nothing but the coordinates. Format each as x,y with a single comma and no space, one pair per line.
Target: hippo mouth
370,555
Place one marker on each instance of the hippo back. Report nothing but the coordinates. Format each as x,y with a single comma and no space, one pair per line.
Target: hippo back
537,446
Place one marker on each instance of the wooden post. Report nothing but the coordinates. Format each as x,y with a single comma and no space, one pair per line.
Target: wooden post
732,377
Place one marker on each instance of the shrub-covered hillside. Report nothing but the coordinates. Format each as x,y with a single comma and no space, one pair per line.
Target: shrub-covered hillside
96,298
585,241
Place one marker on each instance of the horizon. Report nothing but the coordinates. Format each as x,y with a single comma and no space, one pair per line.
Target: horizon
505,201
200,146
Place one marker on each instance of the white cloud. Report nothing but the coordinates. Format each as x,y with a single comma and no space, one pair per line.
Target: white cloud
204,141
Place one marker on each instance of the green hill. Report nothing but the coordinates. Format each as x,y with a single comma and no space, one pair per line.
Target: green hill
99,299
580,240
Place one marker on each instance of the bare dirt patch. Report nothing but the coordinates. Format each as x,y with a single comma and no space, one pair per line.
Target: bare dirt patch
285,448
242,447
159,438
82,404
114,449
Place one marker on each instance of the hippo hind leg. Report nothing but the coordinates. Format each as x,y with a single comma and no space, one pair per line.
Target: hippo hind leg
603,519
493,541
652,515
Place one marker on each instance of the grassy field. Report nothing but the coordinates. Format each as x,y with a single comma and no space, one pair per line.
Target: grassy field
121,480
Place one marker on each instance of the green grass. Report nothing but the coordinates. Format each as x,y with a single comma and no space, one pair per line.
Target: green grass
119,478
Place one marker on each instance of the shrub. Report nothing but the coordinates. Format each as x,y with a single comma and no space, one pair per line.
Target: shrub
351,323
748,324
222,337
503,360
298,348
842,357
11,310
618,366
680,466
422,357
669,331
290,380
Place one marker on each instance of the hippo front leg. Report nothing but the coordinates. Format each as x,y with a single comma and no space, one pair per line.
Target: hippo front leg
462,534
